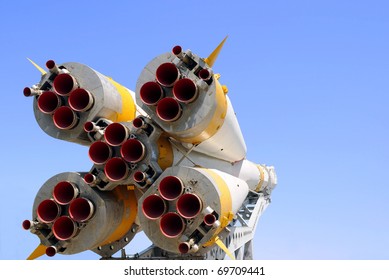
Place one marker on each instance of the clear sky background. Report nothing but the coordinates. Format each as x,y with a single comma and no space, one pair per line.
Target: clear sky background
309,81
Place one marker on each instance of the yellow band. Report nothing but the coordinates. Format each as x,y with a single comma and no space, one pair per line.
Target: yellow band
226,214
126,196
165,158
261,177
128,112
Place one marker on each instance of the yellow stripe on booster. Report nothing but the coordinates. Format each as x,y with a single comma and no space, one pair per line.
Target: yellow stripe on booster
128,112
126,196
226,214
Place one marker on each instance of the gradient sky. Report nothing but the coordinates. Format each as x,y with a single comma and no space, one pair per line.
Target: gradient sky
309,81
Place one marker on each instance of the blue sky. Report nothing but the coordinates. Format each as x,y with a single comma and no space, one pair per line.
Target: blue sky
308,81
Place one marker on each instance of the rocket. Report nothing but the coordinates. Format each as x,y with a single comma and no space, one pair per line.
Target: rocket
168,159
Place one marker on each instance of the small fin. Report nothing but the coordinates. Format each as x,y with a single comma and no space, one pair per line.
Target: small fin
224,248
39,251
210,60
37,66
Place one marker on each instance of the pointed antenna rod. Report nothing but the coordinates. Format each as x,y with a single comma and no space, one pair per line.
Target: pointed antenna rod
224,248
37,67
210,60
39,251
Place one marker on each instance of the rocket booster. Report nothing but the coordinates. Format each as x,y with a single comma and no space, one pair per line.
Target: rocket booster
72,94
169,159
187,208
70,217
183,96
